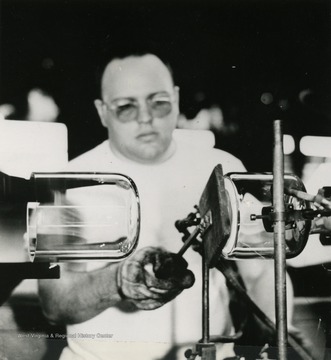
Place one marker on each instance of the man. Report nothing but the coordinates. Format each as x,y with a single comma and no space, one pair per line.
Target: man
139,106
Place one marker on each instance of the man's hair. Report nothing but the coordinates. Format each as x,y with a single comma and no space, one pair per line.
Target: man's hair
112,52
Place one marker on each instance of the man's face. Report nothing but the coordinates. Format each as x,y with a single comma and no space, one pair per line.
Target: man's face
139,108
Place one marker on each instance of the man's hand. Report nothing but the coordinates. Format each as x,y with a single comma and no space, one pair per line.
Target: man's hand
152,276
321,225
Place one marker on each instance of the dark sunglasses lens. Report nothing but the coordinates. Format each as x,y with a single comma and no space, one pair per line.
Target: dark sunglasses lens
161,108
127,112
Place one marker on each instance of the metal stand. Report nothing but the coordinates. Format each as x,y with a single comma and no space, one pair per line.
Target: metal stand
211,209
205,349
279,241
205,301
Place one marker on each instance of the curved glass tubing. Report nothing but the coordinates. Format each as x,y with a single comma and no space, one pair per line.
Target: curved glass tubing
82,216
251,216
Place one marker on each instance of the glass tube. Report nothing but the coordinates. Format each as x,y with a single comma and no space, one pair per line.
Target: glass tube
78,217
250,200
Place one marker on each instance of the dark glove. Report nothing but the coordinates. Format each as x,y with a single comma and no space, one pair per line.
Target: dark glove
152,276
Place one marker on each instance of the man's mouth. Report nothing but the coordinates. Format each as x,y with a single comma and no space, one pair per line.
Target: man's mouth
147,136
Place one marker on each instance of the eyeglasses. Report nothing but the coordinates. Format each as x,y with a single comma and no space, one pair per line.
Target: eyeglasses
127,109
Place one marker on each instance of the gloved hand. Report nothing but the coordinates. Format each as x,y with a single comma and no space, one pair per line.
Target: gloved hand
152,276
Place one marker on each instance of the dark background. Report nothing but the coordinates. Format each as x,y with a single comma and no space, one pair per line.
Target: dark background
223,52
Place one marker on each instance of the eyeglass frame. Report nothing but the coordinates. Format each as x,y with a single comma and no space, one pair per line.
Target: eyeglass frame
113,107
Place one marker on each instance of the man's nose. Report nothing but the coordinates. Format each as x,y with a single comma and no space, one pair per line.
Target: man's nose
145,115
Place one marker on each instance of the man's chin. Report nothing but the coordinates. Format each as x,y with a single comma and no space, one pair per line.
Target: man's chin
148,154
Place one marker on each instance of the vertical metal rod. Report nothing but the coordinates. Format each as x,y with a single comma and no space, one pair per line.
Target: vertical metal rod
205,300
279,241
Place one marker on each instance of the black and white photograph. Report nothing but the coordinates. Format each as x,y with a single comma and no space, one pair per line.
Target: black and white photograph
165,180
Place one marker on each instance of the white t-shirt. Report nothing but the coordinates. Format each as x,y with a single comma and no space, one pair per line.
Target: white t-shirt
168,191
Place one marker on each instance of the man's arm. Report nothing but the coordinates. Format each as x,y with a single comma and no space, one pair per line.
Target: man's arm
80,295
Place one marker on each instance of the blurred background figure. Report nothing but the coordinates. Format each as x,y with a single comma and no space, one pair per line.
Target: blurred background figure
41,106
38,105
211,118
6,110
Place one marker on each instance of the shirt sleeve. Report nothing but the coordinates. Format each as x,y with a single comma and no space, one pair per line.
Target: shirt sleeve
229,162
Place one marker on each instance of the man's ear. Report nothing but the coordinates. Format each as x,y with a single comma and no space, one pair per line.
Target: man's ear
176,94
99,106
176,88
